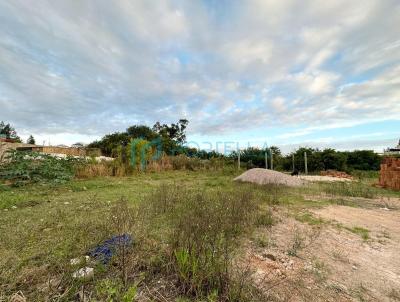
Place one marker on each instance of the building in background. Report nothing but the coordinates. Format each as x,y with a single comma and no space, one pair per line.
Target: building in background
393,151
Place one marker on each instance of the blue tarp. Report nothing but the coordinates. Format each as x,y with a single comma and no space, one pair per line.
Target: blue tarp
106,250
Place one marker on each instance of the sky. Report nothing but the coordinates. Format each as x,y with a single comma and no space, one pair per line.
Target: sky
258,72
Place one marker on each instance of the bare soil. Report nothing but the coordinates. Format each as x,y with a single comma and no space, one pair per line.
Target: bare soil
323,178
330,261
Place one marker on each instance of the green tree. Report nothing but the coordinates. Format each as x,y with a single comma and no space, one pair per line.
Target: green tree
255,157
8,131
110,142
141,131
333,160
31,140
314,161
175,132
170,137
363,160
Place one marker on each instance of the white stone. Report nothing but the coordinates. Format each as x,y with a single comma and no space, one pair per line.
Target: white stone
84,273
76,261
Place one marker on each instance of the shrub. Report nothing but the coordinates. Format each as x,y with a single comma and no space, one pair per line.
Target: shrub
204,228
22,167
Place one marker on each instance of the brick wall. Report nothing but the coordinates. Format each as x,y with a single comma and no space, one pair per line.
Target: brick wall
390,173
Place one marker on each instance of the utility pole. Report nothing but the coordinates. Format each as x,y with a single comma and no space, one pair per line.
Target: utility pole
266,159
305,163
293,161
272,159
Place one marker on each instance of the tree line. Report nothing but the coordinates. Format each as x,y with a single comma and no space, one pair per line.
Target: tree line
317,160
171,138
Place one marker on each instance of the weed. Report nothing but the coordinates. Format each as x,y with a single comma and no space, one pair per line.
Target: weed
111,290
309,218
122,221
262,241
265,219
353,189
364,233
204,229
361,293
320,270
297,243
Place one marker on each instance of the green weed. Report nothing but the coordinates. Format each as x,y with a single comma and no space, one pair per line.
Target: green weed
364,233
309,218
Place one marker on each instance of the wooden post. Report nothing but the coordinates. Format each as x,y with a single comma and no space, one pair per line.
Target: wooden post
266,159
305,163
293,161
272,159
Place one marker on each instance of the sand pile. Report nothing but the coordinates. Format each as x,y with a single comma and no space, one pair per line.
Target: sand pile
263,177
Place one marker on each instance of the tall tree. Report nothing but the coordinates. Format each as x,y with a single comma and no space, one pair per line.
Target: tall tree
141,131
8,131
169,137
175,132
31,140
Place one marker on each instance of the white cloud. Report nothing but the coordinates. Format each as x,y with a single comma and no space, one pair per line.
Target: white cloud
89,68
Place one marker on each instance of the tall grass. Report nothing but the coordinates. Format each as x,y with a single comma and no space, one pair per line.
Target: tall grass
202,230
119,167
352,189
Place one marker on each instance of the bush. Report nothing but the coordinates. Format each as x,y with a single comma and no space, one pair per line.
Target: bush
203,230
22,167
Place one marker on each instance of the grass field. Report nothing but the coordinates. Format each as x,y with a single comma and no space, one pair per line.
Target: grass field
42,227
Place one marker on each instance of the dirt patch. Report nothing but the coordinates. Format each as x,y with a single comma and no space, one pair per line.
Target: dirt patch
376,263
383,203
329,262
264,176
320,178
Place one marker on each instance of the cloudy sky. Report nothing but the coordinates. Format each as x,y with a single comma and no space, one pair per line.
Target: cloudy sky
289,73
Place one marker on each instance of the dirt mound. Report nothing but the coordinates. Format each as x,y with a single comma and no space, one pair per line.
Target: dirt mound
263,177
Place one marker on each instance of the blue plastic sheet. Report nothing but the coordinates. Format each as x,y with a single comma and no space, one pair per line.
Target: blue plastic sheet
106,250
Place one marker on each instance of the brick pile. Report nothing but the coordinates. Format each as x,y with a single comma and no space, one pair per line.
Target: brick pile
334,173
390,173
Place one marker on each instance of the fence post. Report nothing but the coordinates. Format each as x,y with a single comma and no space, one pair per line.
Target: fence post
272,159
293,161
266,159
305,163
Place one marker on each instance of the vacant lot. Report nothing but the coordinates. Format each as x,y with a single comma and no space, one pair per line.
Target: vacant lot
321,242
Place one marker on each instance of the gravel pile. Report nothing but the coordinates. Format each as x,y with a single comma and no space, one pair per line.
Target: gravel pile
263,177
